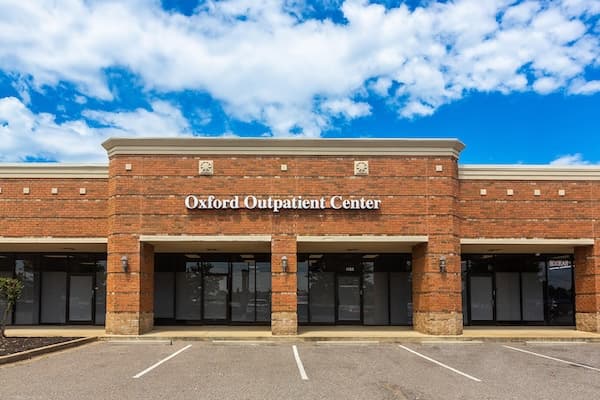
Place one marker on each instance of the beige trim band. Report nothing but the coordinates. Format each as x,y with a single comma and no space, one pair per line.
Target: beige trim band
53,240
528,242
362,239
204,238
529,172
54,170
284,146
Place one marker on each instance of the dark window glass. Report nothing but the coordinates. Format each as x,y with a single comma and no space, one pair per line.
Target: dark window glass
6,271
263,290
164,294
400,298
27,309
215,297
322,297
100,291
376,297
560,291
242,291
189,292
302,277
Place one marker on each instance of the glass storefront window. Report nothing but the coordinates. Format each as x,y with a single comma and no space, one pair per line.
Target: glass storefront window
212,288
28,305
368,289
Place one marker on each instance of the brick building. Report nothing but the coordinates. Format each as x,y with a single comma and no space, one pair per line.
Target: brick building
289,232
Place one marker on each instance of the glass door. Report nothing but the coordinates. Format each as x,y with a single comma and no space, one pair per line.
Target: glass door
216,297
481,296
81,298
349,298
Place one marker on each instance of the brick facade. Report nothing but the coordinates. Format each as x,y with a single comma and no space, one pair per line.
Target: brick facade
421,195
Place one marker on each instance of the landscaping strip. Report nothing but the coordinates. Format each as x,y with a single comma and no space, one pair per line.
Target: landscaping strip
25,355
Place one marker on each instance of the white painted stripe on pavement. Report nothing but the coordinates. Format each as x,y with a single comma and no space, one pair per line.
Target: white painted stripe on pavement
552,342
553,358
299,363
440,364
161,361
349,342
242,342
452,342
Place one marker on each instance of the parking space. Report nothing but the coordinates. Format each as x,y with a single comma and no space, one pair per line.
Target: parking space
309,370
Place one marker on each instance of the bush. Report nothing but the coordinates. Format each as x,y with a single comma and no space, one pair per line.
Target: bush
10,291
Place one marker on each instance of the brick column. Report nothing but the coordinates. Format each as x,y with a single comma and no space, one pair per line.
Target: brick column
587,287
284,316
437,297
130,294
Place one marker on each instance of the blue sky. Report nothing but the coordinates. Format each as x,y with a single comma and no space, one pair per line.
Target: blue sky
516,81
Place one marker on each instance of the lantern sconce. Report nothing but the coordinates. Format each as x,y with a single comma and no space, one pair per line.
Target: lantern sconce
284,263
442,264
124,263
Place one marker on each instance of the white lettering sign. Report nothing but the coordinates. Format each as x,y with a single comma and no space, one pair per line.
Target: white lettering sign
211,202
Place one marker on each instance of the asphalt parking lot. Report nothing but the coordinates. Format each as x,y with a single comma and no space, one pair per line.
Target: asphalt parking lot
334,370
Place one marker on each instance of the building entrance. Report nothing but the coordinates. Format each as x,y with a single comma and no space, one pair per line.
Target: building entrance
212,289
367,289
518,289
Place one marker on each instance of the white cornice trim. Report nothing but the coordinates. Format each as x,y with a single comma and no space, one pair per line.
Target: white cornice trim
54,170
527,242
362,239
53,240
204,238
284,146
529,172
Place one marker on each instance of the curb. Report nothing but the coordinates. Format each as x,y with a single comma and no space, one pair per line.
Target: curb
369,339
25,355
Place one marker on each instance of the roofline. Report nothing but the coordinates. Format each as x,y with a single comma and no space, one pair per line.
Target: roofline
284,146
529,172
53,170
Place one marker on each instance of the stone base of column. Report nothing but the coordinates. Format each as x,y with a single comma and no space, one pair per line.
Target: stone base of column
588,322
284,323
438,323
129,323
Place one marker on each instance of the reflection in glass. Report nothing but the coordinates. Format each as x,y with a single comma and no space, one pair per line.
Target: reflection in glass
215,297
400,298
560,292
81,297
242,291
533,297
482,301
164,291
348,297
54,297
302,277
263,291
27,308
189,293
508,302
322,297
375,301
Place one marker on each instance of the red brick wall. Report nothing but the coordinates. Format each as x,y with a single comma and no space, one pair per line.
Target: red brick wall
525,215
66,214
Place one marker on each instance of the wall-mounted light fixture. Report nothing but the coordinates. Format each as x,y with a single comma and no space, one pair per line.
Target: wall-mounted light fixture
442,263
284,263
124,263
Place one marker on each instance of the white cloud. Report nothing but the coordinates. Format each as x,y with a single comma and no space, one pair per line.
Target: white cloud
347,108
264,64
24,133
570,159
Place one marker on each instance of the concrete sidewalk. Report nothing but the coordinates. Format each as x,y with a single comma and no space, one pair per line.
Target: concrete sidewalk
316,333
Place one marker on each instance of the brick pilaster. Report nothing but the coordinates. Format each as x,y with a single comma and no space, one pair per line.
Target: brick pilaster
587,287
284,318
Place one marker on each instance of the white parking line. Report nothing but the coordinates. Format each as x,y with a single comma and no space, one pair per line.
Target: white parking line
452,342
553,358
347,342
440,364
299,363
162,361
244,342
536,342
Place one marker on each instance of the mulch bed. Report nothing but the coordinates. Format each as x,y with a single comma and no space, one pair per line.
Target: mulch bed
12,345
